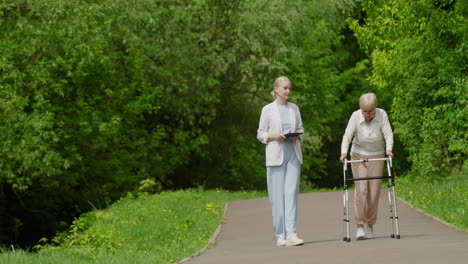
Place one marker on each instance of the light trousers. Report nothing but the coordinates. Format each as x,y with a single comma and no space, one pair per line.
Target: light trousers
283,192
367,193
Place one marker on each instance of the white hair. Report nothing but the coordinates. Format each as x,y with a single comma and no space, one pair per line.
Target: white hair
368,101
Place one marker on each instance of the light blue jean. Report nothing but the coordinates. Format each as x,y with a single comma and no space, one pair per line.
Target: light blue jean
283,192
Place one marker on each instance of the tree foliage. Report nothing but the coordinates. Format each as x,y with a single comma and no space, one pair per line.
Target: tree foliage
418,51
98,98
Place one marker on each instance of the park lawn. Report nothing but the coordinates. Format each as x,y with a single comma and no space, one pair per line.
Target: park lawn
160,228
445,198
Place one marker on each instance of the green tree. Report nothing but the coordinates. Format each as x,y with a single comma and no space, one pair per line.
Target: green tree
96,97
418,51
263,40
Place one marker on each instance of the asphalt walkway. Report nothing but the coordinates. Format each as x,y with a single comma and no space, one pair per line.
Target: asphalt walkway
247,236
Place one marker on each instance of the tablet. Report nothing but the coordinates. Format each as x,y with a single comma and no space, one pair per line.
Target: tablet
288,135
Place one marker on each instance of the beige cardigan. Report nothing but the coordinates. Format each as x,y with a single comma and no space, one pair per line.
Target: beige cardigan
270,122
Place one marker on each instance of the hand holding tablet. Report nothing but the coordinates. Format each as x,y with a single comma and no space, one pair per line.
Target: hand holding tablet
288,135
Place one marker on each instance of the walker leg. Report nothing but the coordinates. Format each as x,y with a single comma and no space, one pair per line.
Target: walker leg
391,197
397,229
346,216
345,205
392,233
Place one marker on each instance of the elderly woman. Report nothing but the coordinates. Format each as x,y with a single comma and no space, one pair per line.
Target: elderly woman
283,160
373,138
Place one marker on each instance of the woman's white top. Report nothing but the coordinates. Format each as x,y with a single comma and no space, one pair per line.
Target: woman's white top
270,122
369,139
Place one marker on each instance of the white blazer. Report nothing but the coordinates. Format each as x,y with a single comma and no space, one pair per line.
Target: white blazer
270,122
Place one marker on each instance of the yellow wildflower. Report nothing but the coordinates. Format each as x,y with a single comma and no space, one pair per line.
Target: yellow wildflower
209,206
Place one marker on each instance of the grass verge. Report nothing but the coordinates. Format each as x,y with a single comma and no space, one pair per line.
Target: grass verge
445,198
161,228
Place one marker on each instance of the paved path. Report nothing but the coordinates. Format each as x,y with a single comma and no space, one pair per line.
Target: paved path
247,236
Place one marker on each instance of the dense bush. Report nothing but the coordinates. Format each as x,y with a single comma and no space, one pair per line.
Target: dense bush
96,97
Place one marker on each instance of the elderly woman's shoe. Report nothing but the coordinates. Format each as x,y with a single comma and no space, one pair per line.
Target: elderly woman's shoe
369,232
360,234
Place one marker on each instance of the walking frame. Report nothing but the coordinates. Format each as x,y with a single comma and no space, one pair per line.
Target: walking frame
391,196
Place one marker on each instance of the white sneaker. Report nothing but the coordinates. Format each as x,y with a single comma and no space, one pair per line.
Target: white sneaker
280,241
369,232
293,240
360,234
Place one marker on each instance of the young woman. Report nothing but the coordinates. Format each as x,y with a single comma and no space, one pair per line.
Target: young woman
283,160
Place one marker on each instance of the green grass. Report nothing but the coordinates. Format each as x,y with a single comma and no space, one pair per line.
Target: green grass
445,198
162,228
